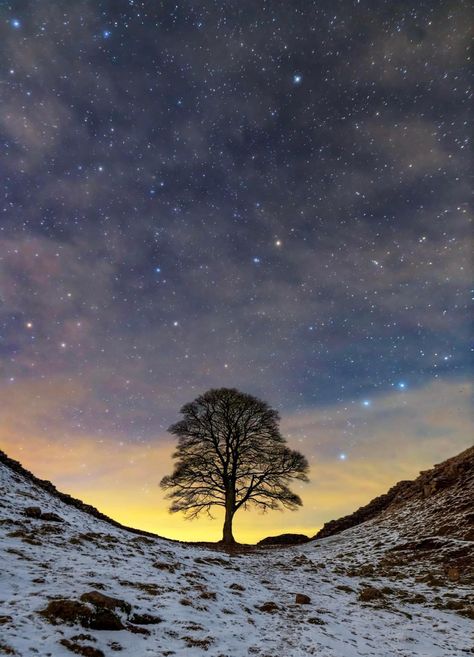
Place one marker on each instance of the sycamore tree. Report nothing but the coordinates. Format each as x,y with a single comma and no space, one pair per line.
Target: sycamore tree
231,454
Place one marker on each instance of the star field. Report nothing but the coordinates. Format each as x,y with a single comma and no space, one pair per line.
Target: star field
271,196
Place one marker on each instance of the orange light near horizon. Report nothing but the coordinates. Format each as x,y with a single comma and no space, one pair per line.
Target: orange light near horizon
123,482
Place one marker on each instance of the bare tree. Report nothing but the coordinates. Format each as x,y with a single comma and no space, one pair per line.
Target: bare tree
231,453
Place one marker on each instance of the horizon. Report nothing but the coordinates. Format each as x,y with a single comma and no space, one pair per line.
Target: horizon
193,200
342,492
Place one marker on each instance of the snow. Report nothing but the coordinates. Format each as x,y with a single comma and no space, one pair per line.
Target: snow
190,589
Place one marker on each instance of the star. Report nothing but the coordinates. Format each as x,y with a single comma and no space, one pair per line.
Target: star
313,242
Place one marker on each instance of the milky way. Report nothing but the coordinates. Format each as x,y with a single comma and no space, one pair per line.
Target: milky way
265,195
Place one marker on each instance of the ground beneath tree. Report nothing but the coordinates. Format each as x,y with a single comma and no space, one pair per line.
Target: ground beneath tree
72,583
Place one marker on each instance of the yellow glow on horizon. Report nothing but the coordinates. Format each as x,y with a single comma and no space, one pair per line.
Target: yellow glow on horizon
402,434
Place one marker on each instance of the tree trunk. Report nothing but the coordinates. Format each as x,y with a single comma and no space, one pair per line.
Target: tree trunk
227,536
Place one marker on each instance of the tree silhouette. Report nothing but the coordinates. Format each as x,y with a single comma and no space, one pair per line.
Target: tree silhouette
231,453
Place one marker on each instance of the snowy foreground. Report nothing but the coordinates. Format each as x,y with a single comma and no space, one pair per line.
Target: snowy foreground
187,600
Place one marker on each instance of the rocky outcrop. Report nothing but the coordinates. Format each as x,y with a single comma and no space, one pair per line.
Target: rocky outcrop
101,601
72,612
97,611
36,513
364,513
302,599
269,607
452,480
284,539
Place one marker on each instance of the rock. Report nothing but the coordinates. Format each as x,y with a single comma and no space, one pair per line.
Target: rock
105,619
74,612
370,593
237,587
134,629
417,599
366,570
51,517
35,512
269,607
85,651
430,579
102,601
162,565
208,595
345,588
302,599
284,539
67,611
115,646
453,573
314,620
422,545
5,619
145,619
468,612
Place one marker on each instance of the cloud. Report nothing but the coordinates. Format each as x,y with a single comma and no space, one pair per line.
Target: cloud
139,191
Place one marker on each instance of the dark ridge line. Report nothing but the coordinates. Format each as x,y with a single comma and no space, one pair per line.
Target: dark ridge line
49,487
425,484
429,482
363,513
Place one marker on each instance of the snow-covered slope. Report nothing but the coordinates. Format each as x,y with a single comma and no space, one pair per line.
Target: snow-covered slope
442,495
376,589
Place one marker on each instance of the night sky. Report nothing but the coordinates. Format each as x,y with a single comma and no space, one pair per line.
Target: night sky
271,196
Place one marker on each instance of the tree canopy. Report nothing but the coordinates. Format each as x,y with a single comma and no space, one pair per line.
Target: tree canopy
231,454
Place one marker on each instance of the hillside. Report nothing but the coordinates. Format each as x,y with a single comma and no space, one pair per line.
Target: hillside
72,582
446,490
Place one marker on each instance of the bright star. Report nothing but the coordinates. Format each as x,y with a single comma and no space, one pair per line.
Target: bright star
106,34
175,323
342,456
278,243
297,78
402,385
366,402
256,260
15,23
158,270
